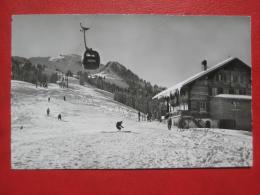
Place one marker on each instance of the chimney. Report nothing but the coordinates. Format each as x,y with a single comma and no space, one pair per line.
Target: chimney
204,65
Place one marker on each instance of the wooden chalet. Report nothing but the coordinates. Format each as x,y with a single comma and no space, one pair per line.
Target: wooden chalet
219,96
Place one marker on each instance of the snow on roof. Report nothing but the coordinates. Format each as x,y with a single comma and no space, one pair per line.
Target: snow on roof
179,85
232,96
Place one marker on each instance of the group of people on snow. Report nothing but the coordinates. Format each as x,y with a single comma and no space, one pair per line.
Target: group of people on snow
149,118
48,109
119,125
144,117
41,84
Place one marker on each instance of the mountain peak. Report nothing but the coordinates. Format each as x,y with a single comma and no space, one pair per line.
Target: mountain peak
115,66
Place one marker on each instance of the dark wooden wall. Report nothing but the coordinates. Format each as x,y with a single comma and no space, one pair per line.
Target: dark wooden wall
232,109
235,79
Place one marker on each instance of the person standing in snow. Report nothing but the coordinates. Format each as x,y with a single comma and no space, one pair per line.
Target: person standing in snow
169,123
139,116
64,98
48,111
49,99
119,125
149,117
59,117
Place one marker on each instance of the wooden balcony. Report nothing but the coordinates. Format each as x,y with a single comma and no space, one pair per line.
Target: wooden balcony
194,114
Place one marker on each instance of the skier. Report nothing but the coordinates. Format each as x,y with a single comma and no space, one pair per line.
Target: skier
49,99
48,111
169,123
119,125
64,98
59,117
139,116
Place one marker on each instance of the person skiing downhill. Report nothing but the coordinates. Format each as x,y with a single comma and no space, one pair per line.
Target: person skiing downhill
119,125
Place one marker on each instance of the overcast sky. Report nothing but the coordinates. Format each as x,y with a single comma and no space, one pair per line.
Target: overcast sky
161,49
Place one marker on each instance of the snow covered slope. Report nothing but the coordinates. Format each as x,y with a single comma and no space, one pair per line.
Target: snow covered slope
86,137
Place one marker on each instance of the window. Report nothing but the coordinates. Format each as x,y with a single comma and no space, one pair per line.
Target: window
220,90
216,77
243,79
220,77
214,91
226,91
205,81
231,91
203,106
242,91
235,105
233,78
224,78
184,106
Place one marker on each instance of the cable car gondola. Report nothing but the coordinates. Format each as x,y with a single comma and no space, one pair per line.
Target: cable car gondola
90,58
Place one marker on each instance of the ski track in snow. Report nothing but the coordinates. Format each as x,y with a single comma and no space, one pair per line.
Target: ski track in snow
86,138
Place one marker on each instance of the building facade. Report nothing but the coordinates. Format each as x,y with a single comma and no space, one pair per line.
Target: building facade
219,96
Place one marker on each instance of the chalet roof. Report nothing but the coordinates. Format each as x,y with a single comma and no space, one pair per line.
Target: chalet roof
179,85
232,96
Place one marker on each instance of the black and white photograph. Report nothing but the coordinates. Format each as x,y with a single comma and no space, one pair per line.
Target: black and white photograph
130,91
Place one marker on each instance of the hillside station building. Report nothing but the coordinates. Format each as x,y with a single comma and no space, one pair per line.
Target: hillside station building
216,97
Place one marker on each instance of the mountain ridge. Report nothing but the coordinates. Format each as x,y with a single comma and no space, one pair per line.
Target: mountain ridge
126,87
113,71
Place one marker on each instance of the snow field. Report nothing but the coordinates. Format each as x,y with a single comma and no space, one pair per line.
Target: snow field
86,138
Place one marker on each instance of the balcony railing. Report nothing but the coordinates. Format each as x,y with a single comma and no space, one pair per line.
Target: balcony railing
194,114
